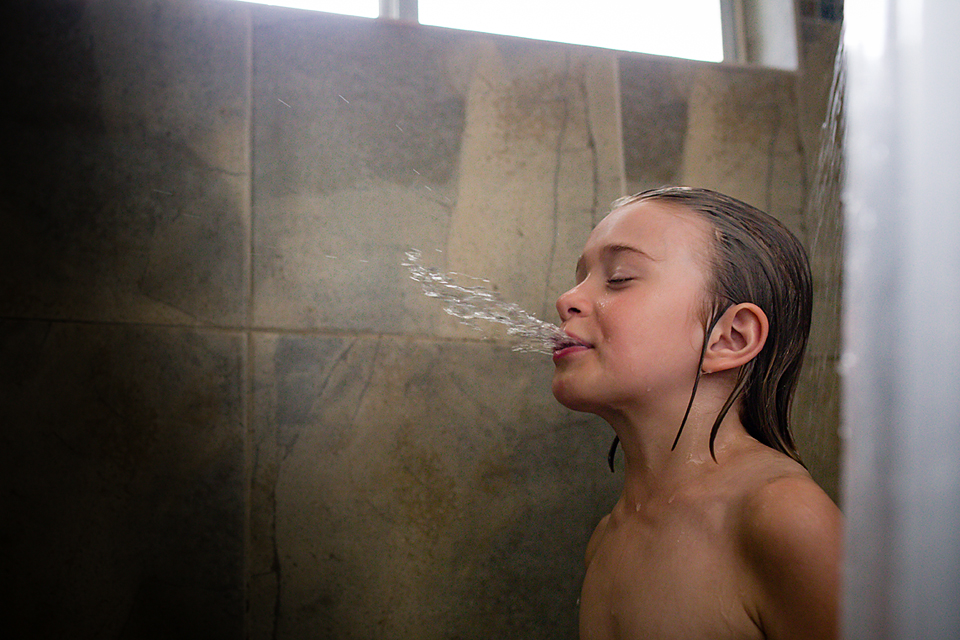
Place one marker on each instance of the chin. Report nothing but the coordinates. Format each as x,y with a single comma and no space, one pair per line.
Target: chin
569,396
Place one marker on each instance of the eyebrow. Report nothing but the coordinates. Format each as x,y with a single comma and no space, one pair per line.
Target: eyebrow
617,249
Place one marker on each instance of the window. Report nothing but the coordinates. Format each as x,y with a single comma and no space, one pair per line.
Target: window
362,8
680,28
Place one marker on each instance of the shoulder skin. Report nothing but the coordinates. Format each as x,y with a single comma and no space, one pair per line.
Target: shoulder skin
791,541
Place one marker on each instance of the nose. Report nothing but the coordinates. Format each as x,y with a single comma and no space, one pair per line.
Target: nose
571,303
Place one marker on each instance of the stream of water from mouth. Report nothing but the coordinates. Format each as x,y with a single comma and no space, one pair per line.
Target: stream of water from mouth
473,303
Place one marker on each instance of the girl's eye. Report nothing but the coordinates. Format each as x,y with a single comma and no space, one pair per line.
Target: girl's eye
618,280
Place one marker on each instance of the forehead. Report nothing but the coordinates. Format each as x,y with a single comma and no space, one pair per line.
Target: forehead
661,230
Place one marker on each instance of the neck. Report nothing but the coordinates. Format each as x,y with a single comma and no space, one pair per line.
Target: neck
652,467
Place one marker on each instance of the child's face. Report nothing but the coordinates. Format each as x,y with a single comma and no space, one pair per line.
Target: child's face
636,310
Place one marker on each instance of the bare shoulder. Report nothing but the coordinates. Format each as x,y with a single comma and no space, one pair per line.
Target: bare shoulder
790,510
595,539
791,534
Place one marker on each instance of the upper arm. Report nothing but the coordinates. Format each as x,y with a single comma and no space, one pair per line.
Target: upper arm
595,540
793,536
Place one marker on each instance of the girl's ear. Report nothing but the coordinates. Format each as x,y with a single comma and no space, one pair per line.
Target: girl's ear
737,338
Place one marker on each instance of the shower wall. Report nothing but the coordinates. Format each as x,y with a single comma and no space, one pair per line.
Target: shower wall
228,412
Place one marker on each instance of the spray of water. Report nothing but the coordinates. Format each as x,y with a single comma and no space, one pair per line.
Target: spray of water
825,198
818,418
469,304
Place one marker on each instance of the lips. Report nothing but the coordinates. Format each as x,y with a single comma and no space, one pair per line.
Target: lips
566,344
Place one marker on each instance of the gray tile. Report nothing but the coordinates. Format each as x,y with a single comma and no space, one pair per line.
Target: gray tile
128,195
816,416
655,98
372,138
536,169
397,493
357,138
743,139
122,458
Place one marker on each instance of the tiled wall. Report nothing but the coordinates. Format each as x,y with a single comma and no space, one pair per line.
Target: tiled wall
227,410
124,296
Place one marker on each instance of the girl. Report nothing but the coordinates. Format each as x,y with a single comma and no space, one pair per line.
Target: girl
686,331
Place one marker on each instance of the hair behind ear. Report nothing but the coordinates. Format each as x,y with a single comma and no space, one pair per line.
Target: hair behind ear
696,383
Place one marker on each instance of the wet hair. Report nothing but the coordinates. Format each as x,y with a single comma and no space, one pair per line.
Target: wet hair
754,258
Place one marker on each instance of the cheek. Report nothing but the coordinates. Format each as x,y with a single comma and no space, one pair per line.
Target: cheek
660,337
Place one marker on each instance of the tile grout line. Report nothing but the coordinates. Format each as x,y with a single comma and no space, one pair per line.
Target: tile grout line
264,330
250,364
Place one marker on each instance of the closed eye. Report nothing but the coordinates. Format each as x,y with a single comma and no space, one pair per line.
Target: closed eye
618,280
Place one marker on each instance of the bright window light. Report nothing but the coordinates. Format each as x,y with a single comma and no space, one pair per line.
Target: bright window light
362,8
679,28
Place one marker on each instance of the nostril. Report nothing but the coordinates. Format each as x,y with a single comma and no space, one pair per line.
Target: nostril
568,304
567,311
